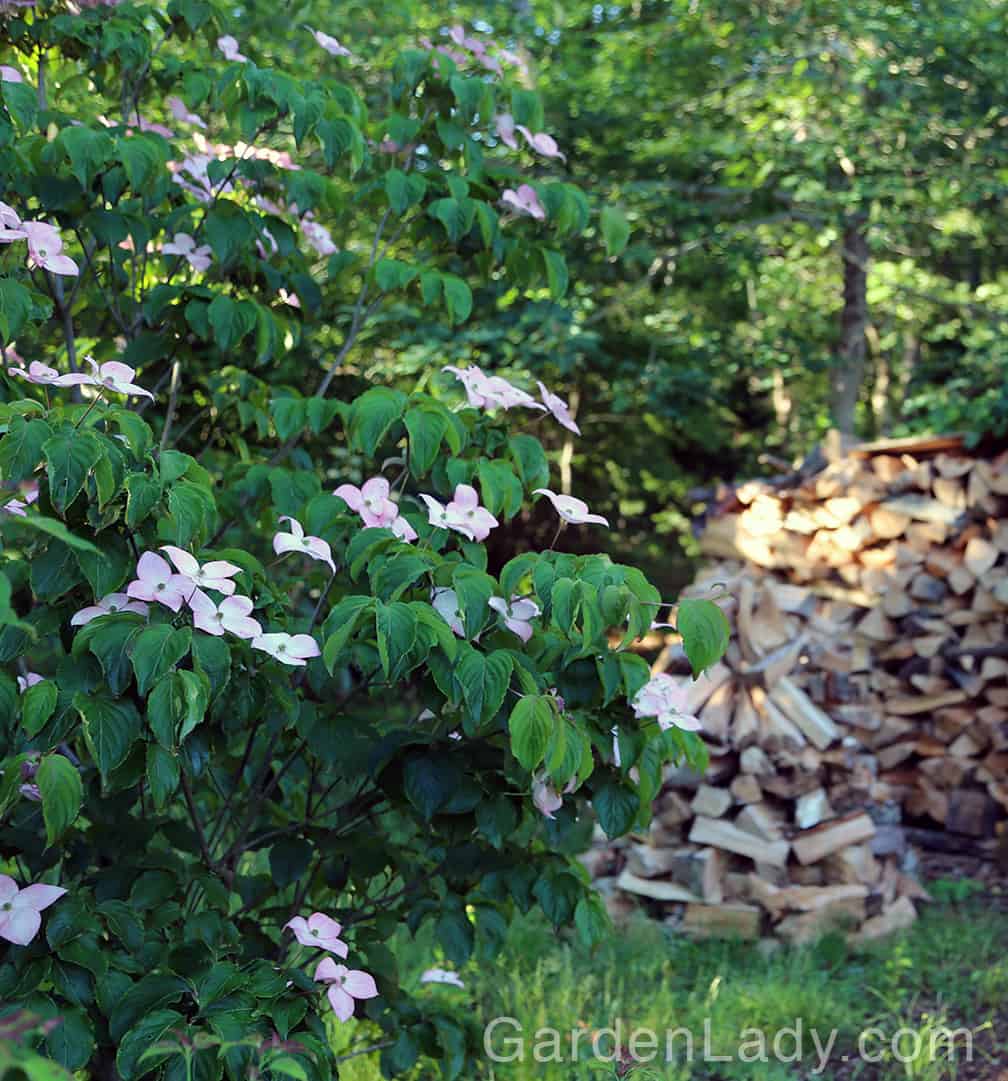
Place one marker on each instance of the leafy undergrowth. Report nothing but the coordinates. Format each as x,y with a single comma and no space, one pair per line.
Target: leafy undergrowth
949,972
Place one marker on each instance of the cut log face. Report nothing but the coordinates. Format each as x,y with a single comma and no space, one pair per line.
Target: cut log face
720,834
824,840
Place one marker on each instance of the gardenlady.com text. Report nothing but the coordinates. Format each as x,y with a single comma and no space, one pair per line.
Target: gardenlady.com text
505,1039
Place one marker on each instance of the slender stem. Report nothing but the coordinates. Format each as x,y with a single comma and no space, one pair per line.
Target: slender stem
197,824
172,397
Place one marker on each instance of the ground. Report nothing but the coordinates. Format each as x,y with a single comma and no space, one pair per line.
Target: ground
950,972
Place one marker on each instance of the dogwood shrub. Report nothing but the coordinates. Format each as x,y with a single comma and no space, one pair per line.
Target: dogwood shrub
266,702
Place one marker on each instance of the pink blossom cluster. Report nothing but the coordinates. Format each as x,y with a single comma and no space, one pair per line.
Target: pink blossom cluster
666,700
373,502
185,582
545,796
541,142
182,244
345,985
110,376
330,44
29,491
495,392
473,50
463,514
45,247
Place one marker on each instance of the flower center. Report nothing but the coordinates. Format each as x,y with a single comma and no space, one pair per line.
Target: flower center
160,586
6,906
306,542
219,617
113,608
282,648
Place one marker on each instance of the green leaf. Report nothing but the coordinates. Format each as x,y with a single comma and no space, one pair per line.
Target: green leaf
15,306
21,447
556,272
458,298
426,426
37,705
404,190
70,456
87,150
340,624
163,774
531,726
705,632
62,794
395,626
616,806
108,569
372,417
193,512
592,920
474,589
231,321
143,493
484,680
615,230
21,100
530,461
53,527
157,650
110,728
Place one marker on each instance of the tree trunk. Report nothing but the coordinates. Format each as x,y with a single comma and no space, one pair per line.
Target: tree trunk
848,371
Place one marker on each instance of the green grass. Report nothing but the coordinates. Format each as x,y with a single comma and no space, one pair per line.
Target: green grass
950,969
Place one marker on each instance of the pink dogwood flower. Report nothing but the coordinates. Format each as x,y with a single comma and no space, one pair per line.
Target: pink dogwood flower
216,574
446,603
199,258
543,144
524,201
371,501
318,930
346,985
518,615
229,47
181,112
20,910
117,377
403,530
10,224
17,507
294,649
505,126
9,74
44,376
463,514
329,43
559,408
442,975
490,391
571,510
111,602
29,680
45,248
296,541
319,237
232,615
545,796
667,700
155,581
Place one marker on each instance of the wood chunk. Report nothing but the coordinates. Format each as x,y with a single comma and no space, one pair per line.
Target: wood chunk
754,760
761,821
897,917
732,920
644,861
673,810
857,863
876,626
721,834
812,808
822,841
971,812
655,889
980,556
711,802
887,523
813,722
712,884
909,707
746,789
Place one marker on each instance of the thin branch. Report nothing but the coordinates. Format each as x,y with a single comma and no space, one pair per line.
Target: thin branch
172,399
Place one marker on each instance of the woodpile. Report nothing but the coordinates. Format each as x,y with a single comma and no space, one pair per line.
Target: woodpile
862,706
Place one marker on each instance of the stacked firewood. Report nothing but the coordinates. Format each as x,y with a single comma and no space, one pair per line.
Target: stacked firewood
862,706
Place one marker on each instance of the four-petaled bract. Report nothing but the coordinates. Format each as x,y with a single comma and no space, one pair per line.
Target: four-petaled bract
110,603
345,986
296,541
329,43
198,257
295,649
318,930
446,604
232,616
44,376
216,574
441,975
667,700
156,581
517,615
115,376
20,909
524,201
571,510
